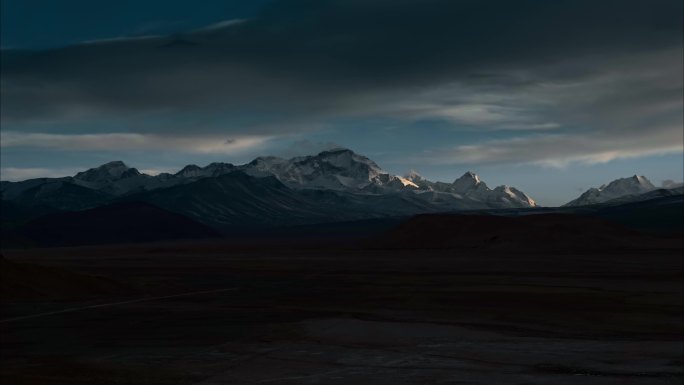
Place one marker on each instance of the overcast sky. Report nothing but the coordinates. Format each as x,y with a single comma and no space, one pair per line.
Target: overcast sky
552,97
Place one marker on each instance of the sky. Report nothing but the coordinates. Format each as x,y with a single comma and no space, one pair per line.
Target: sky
552,97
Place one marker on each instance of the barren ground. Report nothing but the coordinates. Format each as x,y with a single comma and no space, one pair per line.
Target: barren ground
214,313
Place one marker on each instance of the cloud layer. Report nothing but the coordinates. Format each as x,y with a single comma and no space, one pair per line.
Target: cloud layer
131,141
569,80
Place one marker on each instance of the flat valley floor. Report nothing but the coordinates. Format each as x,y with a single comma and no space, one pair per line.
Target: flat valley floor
215,313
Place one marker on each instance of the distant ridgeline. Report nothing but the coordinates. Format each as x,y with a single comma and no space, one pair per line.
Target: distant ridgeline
331,187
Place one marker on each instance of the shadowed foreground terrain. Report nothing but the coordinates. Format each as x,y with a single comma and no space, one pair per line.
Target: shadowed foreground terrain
291,312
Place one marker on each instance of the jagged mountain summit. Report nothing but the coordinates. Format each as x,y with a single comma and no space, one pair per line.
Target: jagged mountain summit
339,169
469,186
192,171
107,172
332,185
618,188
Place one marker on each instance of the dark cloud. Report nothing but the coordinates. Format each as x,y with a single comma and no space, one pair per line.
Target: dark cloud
575,67
51,23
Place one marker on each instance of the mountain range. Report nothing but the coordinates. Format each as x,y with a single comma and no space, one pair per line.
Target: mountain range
332,186
623,190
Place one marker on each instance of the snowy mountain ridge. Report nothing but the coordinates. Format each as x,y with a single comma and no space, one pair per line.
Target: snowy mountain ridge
470,186
341,170
334,185
618,188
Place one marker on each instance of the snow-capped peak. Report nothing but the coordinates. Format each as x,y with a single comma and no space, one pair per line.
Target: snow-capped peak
107,172
469,175
337,169
643,181
219,168
345,158
407,182
512,194
265,163
467,182
633,185
114,164
414,176
190,171
334,169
